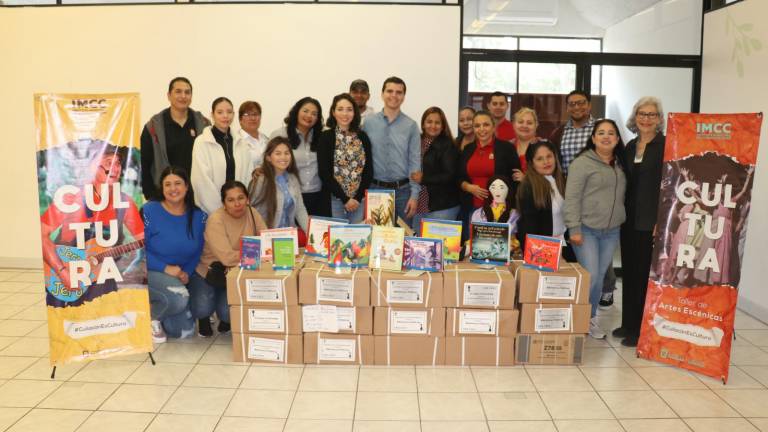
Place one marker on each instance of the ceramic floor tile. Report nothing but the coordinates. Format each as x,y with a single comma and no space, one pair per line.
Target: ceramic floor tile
329,379
33,313
386,406
139,398
760,373
602,357
27,347
522,426
636,404
25,393
260,403
630,356
748,356
614,379
300,425
28,278
219,354
40,332
183,423
454,426
746,322
7,311
737,378
720,424
272,378
181,352
41,420
386,426
12,366
514,406
9,416
450,407
41,370
760,423
575,405
387,380
655,425
559,380
749,403
160,374
23,299
101,421
19,327
11,287
216,376
82,395
669,378
106,371
756,337
198,401
588,426
445,380
243,424
323,406
697,403
502,380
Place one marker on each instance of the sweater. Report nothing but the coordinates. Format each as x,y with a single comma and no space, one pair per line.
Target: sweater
166,239
439,165
255,189
222,238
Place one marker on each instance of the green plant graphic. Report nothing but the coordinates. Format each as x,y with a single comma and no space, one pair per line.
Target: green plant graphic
743,44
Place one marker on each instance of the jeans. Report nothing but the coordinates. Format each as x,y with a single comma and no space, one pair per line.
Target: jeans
338,211
595,254
205,299
169,304
402,195
446,214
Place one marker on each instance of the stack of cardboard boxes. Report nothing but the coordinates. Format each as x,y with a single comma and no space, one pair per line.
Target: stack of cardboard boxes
554,316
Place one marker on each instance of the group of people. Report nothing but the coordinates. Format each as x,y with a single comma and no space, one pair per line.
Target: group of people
581,184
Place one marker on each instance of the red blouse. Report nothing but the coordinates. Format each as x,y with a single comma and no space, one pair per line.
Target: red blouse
480,168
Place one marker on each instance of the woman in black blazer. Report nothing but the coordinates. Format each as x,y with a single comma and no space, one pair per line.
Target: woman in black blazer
644,157
344,160
439,196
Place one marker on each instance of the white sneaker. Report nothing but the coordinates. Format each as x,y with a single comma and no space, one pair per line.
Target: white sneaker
594,330
158,334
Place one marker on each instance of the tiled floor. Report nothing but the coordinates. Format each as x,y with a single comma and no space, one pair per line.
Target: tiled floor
195,387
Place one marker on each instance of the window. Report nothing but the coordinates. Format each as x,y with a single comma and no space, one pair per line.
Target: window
560,44
547,77
485,42
492,76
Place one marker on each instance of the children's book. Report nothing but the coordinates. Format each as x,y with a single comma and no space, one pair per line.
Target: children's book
489,243
380,207
317,235
421,253
250,252
542,252
283,257
269,234
349,245
447,231
387,248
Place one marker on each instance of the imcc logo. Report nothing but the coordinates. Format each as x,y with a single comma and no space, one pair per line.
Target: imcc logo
88,104
713,130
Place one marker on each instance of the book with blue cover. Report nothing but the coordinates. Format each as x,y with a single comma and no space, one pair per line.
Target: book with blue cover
489,243
250,252
421,253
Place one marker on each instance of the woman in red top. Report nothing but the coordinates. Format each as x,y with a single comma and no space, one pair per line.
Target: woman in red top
525,123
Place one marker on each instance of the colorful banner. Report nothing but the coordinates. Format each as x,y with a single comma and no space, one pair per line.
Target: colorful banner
88,167
709,164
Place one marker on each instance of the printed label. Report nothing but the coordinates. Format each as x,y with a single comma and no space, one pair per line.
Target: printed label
319,318
345,317
408,322
557,287
264,290
477,322
266,349
481,294
554,319
335,290
405,291
266,320
336,349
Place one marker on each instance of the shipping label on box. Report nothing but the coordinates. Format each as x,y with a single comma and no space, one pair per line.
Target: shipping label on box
550,349
265,319
471,285
328,348
477,322
346,318
409,289
481,294
267,348
319,284
409,350
570,284
263,287
479,351
557,287
405,291
337,319
337,350
263,291
409,321
320,318
335,290
554,318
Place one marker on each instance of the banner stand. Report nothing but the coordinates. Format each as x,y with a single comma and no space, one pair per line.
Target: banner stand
151,358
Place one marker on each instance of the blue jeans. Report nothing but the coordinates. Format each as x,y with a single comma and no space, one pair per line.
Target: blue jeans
338,211
445,214
169,304
402,195
595,254
205,299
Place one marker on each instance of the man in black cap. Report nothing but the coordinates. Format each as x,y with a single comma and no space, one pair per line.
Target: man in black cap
360,93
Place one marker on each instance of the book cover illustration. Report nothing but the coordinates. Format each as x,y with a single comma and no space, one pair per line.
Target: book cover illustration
250,252
269,234
380,207
350,245
489,243
542,252
283,257
421,253
387,248
447,231
317,235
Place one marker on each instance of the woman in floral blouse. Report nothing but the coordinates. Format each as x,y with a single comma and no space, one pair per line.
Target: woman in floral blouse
344,159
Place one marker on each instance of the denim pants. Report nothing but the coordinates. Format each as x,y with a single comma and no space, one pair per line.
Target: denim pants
595,254
402,195
449,214
338,211
169,304
205,299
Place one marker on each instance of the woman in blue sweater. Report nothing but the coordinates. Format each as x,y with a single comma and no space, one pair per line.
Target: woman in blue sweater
173,233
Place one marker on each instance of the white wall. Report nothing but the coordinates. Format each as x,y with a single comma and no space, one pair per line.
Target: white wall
569,24
272,53
724,90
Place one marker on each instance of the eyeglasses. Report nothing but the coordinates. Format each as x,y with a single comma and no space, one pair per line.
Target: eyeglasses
648,115
578,103
252,115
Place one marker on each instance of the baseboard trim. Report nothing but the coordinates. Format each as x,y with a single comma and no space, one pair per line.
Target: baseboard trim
754,310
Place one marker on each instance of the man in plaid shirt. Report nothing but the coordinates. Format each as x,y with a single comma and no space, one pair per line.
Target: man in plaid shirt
573,136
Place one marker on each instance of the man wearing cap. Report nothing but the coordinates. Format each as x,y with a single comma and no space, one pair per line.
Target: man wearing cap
360,93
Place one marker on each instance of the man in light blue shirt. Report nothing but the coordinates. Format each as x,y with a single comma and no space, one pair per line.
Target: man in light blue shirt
396,146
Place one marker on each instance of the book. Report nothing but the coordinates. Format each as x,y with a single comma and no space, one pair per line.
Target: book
421,253
317,235
349,245
269,234
250,252
489,243
380,207
283,257
542,252
387,248
447,231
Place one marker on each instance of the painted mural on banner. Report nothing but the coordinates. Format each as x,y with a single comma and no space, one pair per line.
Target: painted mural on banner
88,166
709,166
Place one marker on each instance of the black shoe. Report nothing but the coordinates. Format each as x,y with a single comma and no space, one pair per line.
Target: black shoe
619,332
606,300
224,327
630,341
204,327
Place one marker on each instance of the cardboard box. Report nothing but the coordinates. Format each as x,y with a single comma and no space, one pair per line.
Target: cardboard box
267,348
550,349
570,284
479,351
337,319
408,321
481,323
409,350
401,289
340,349
265,319
263,287
554,318
320,284
468,285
